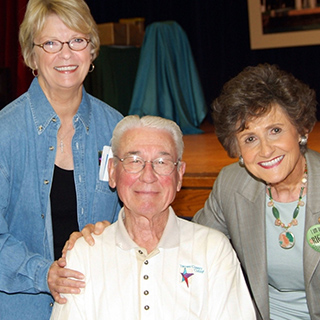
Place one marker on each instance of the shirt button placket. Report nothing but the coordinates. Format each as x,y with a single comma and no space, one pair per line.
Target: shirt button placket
146,291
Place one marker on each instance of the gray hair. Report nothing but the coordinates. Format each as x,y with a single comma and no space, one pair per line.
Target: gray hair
134,122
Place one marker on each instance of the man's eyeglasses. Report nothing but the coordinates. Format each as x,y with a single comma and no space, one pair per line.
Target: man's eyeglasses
135,164
54,46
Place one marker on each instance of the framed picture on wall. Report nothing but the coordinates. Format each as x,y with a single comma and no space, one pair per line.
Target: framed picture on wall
284,23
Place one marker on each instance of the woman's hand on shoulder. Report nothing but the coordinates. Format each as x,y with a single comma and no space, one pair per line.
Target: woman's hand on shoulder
86,232
64,280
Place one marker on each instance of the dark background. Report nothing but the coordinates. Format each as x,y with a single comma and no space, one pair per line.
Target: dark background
218,32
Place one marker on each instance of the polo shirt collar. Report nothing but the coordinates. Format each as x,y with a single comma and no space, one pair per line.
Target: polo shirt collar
170,237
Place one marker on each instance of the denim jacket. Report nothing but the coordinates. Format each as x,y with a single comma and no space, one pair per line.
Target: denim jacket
28,142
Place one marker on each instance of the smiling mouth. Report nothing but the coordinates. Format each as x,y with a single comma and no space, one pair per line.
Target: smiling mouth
67,68
147,192
271,163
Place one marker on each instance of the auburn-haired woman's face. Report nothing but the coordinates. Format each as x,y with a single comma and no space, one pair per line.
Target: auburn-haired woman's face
270,147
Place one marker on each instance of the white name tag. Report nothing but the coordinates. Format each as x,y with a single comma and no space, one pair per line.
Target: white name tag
106,155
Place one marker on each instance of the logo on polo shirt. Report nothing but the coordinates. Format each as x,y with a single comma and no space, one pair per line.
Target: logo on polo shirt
188,271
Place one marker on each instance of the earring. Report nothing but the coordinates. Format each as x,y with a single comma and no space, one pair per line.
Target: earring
303,140
241,162
35,72
91,67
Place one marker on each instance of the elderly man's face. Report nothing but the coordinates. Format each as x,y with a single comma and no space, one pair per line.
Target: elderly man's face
146,193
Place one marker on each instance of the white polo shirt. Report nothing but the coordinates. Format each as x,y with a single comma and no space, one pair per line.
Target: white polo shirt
193,274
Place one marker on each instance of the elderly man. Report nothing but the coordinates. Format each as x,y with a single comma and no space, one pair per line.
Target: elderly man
151,264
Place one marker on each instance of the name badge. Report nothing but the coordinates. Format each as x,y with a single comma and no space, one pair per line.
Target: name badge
313,237
106,155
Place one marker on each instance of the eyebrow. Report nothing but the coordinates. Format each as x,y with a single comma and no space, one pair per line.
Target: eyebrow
54,38
138,153
273,125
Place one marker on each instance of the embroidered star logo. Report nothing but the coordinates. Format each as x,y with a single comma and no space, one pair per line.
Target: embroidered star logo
186,276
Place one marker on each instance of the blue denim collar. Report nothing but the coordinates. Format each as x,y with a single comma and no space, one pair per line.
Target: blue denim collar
43,113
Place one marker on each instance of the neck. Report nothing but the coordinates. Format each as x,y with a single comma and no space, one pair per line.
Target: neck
289,189
65,102
146,231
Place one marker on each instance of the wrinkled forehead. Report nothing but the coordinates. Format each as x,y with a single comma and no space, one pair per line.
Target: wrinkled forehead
271,112
72,24
147,141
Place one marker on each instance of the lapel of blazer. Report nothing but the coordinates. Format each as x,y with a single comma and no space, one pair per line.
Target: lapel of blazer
250,202
250,210
311,257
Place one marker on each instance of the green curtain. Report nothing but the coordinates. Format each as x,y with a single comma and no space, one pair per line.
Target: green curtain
167,82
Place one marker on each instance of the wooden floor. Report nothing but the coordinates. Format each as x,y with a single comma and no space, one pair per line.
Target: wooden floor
205,157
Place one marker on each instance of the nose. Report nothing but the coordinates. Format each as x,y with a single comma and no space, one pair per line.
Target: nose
65,51
148,175
266,147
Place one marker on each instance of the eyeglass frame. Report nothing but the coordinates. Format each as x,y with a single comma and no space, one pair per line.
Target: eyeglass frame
41,45
175,164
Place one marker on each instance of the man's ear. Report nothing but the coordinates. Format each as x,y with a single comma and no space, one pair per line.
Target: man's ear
181,171
111,172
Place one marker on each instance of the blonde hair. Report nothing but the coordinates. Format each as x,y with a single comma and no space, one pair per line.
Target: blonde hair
75,14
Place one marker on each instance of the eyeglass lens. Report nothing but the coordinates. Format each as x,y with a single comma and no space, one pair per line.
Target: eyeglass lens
76,44
161,166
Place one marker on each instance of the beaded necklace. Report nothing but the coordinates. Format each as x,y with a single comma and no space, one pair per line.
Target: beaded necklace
286,238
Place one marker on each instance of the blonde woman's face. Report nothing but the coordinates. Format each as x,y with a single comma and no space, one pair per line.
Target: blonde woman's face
65,69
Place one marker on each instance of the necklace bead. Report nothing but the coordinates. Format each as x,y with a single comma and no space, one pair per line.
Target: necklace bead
294,221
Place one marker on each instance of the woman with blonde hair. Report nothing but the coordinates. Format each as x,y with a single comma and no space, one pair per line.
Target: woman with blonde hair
51,142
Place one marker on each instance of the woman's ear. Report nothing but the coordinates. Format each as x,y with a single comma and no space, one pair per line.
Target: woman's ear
111,172
34,60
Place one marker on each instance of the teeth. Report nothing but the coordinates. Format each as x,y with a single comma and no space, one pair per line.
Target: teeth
71,68
272,162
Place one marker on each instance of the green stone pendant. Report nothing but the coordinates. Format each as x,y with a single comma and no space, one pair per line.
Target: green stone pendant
286,240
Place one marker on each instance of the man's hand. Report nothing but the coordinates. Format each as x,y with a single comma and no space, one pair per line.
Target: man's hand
59,280
97,229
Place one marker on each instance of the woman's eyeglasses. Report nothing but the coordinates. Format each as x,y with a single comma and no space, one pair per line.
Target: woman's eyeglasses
54,46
